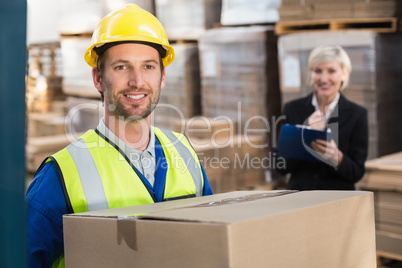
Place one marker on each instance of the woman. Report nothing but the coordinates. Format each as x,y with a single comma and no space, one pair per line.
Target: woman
342,162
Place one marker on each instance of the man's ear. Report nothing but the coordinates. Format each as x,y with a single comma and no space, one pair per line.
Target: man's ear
96,77
163,79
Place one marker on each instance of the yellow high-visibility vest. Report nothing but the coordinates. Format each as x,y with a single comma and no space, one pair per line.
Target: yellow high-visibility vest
97,175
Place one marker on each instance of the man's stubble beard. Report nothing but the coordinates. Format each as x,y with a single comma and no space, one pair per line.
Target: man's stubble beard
120,112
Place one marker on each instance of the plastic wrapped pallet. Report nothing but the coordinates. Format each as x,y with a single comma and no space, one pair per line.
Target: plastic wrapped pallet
373,83
180,99
237,12
82,16
239,76
77,78
186,20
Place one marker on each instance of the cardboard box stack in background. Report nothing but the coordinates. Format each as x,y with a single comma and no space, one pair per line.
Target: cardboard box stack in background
239,77
241,12
329,9
180,99
45,99
186,20
384,177
373,83
44,77
231,161
236,229
38,148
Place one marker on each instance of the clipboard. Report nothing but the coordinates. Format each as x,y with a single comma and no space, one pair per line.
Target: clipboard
294,142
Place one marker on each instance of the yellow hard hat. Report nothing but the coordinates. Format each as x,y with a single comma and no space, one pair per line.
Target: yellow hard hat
130,23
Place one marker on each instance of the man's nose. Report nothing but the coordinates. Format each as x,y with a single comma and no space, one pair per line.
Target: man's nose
136,79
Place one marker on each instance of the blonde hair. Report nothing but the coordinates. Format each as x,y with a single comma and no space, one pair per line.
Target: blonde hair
322,54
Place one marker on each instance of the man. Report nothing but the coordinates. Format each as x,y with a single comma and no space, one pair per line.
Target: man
124,161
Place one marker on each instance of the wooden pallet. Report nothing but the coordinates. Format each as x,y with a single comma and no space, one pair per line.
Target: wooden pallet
84,35
373,24
389,246
182,41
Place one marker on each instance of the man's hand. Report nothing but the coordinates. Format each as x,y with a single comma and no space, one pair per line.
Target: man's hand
329,151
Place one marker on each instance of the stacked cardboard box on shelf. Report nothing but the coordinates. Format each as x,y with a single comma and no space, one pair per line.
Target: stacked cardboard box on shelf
231,161
329,9
384,177
44,77
239,76
186,20
180,98
241,12
373,83
45,124
45,99
384,173
38,148
52,131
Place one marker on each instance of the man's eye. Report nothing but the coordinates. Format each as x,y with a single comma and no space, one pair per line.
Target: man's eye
149,67
317,71
120,67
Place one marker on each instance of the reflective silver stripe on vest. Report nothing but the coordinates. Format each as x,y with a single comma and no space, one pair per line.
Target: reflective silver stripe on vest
188,160
89,175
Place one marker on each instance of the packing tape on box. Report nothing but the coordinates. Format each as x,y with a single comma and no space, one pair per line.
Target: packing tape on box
227,201
245,198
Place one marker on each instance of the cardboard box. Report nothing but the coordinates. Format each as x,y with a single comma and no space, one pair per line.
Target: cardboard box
236,229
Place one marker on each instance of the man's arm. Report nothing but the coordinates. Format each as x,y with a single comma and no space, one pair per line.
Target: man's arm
207,187
45,207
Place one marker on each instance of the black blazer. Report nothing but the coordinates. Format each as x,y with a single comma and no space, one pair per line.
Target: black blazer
350,127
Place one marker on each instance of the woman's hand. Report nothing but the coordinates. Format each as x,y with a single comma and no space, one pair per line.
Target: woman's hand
317,120
329,151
